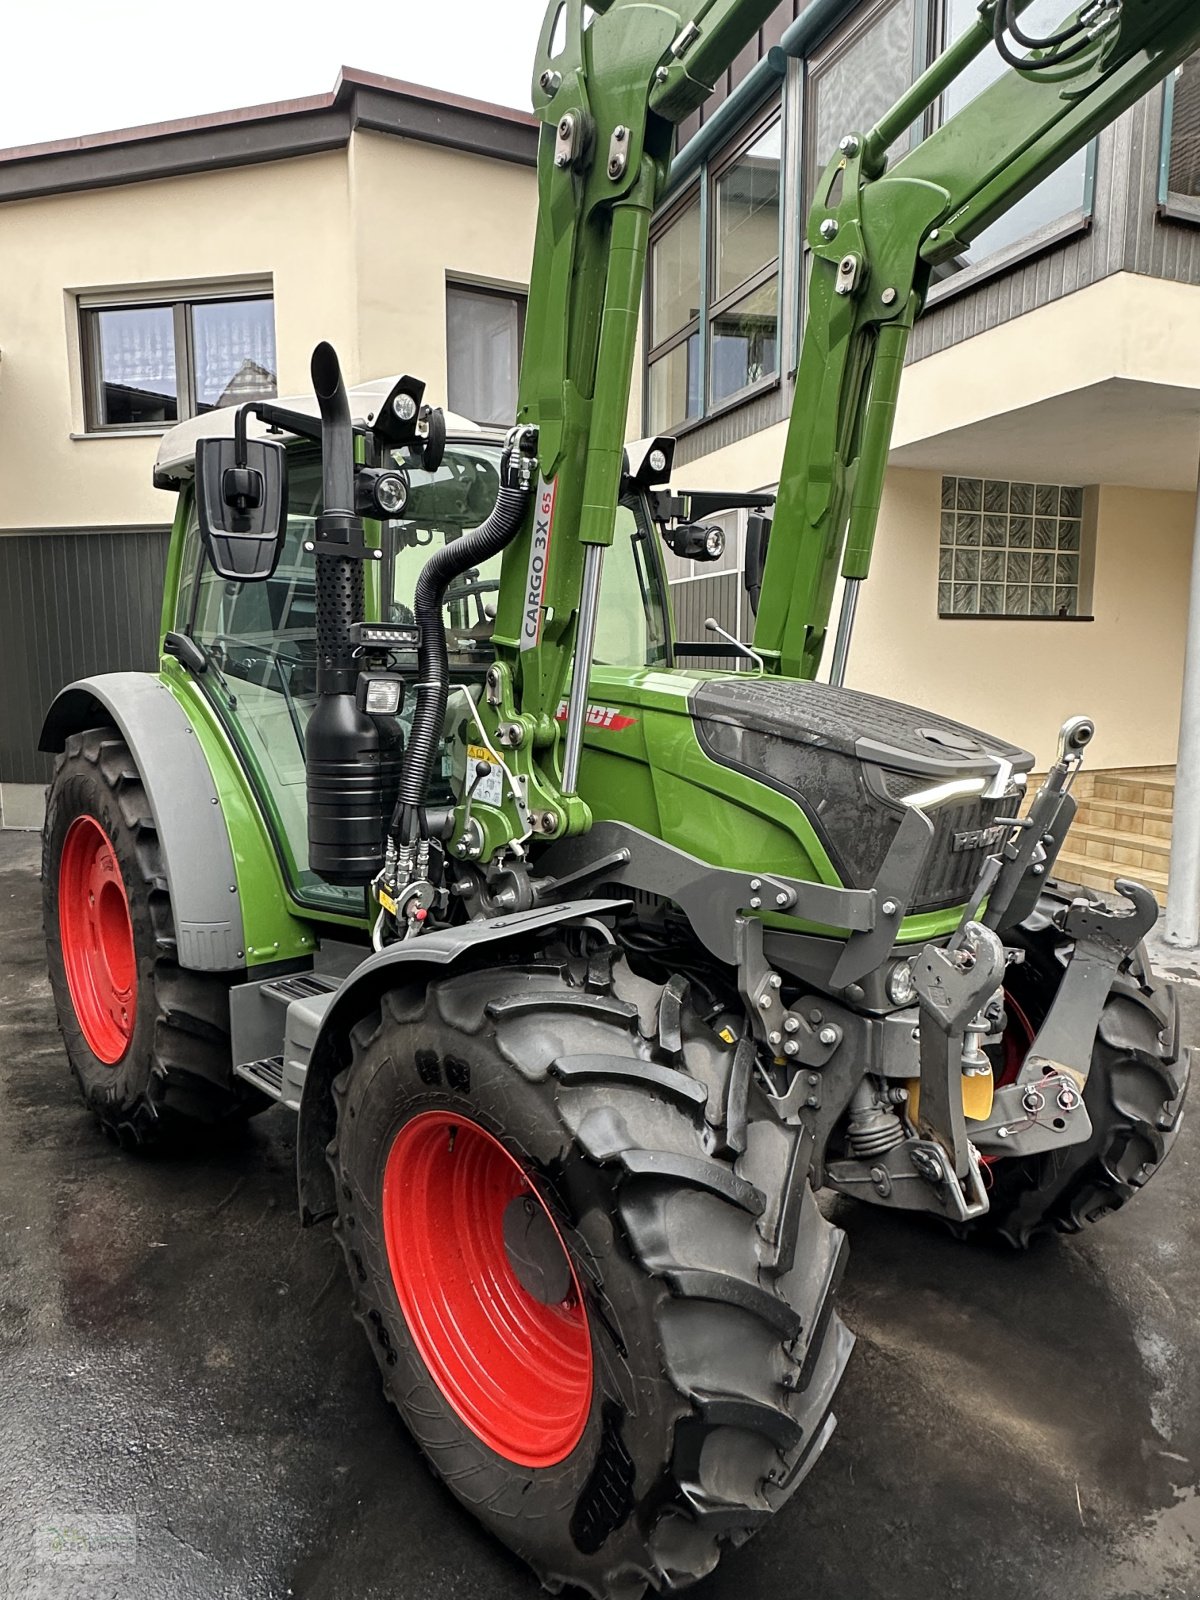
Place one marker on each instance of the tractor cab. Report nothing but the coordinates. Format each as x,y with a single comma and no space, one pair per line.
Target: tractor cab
252,646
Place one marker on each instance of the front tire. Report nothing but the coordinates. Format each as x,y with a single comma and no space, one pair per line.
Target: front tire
590,1265
1134,1094
147,1040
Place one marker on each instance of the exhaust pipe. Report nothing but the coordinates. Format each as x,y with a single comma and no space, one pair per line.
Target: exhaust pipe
348,774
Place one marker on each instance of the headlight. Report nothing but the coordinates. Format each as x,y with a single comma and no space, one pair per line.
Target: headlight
405,407
391,493
714,543
658,460
901,985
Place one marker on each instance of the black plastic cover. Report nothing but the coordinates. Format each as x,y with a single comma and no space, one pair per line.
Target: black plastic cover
849,760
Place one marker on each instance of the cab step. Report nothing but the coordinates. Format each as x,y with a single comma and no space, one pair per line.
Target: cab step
274,1024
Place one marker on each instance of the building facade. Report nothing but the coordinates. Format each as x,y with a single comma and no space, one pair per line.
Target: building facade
158,272
1036,536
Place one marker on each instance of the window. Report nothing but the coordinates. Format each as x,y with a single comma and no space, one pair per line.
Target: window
1065,192
1181,137
713,305
851,87
631,622
484,328
744,319
1010,549
674,371
148,363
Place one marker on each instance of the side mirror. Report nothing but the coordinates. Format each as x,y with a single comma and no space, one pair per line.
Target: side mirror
242,505
758,534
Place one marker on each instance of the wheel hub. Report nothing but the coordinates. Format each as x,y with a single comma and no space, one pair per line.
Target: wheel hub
96,934
487,1288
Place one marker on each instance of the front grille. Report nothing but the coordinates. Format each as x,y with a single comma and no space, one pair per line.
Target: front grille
950,875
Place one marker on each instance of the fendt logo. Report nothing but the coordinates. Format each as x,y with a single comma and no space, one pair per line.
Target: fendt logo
599,717
979,838
539,562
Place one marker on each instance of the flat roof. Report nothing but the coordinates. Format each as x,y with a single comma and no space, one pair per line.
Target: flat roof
251,134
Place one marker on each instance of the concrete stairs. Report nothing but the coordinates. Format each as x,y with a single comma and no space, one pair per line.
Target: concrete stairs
1122,829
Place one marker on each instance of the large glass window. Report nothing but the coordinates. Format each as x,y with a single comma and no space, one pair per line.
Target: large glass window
484,329
855,84
150,364
676,266
1064,192
1182,131
631,622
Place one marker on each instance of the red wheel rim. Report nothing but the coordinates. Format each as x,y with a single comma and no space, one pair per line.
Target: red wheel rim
511,1354
97,939
1018,1036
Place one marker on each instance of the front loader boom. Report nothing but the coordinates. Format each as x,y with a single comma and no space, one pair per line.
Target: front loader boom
610,82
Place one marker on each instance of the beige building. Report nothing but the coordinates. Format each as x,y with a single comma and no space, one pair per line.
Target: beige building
1035,545
159,271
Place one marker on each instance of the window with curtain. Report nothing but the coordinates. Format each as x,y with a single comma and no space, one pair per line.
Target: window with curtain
484,328
673,368
1182,129
857,81
148,364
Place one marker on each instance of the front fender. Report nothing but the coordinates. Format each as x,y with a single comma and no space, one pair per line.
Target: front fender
412,961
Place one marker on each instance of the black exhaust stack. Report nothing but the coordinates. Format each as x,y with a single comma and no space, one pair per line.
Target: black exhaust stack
347,770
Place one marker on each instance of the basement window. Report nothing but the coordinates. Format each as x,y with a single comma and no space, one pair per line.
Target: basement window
149,362
1013,550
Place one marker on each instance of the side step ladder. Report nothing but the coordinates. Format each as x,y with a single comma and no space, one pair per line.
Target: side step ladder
274,1025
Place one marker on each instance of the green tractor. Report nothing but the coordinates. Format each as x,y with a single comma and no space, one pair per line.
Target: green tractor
584,962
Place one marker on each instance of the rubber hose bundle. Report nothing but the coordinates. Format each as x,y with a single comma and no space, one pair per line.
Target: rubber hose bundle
433,666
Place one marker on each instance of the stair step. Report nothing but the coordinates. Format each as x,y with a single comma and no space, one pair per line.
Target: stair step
1102,874
1139,791
1133,808
266,1075
1135,845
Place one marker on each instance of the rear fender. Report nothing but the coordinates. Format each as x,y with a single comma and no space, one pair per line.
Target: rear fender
416,961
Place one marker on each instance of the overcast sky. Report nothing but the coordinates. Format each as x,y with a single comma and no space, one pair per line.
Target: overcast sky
80,66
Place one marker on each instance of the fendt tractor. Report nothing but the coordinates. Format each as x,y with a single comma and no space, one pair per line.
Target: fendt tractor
584,958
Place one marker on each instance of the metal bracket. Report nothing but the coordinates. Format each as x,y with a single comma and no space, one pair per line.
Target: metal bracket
952,987
893,890
914,1176
1029,1118
1103,938
788,1034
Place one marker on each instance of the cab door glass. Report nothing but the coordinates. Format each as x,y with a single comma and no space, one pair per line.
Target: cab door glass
261,643
631,622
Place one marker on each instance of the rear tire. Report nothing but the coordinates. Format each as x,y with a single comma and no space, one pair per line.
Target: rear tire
1134,1094
147,1040
685,1222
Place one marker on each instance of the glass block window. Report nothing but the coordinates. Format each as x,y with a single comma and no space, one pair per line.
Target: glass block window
1009,549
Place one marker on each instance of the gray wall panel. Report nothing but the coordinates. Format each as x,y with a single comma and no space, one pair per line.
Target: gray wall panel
74,603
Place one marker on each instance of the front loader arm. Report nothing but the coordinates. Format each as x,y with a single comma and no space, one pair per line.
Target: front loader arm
876,233
610,82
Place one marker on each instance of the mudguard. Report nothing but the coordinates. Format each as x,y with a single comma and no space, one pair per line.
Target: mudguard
187,814
413,961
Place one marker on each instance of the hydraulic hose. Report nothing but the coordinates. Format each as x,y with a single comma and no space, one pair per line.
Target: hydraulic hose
433,665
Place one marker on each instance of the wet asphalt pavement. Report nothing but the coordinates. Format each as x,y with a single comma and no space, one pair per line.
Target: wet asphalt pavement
178,1357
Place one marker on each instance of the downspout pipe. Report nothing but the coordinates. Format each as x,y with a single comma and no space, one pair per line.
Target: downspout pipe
814,24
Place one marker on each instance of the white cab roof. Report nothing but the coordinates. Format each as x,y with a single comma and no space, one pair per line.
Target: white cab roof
175,460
